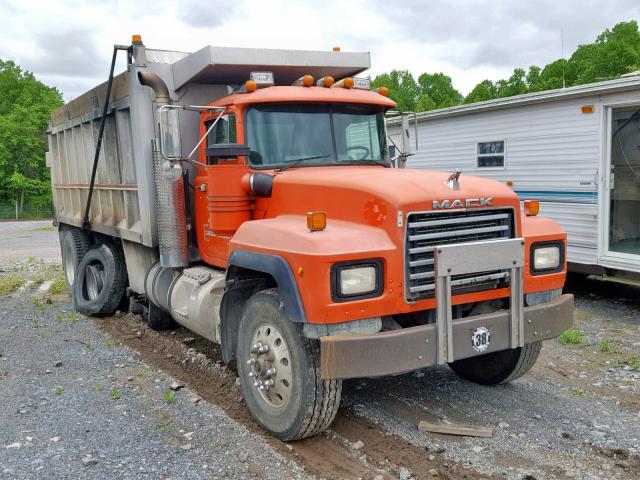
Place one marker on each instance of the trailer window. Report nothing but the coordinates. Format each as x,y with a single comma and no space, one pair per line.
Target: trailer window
491,154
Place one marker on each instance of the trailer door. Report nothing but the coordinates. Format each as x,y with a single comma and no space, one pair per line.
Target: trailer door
622,208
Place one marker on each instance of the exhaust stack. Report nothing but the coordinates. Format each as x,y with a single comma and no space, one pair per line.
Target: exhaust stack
171,214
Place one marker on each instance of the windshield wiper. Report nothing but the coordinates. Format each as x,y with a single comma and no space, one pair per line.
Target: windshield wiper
297,161
384,163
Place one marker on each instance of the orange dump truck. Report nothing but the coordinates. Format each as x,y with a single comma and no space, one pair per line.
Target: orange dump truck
249,195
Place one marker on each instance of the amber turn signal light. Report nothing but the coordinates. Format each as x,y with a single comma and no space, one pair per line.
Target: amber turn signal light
384,91
316,221
531,208
250,85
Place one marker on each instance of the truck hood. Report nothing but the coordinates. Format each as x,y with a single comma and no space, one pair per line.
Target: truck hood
373,194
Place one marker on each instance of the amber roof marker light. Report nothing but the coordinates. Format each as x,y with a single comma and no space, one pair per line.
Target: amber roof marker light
325,81
304,81
344,83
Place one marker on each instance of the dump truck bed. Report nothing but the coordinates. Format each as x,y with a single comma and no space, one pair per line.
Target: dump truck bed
123,202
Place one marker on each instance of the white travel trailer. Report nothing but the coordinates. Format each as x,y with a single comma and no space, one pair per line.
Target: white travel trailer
576,150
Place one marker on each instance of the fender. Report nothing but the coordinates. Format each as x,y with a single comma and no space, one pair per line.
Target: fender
279,269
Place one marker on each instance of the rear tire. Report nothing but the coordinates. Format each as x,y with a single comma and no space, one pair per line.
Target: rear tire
74,244
101,280
499,367
158,319
299,403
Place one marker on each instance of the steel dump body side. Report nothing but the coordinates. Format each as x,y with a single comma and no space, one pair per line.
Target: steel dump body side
123,203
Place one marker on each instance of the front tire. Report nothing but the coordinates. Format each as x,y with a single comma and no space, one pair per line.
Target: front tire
281,383
499,367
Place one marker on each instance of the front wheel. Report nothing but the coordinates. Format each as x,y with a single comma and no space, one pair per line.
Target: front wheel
279,372
498,367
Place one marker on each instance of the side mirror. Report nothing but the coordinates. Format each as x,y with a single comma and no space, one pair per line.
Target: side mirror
170,146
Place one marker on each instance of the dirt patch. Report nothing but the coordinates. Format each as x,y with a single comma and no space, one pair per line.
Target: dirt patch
196,362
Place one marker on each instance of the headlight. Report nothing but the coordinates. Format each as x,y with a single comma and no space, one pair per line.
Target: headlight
355,280
546,258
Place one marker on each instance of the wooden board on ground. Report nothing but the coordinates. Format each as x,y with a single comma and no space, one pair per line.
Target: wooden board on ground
452,429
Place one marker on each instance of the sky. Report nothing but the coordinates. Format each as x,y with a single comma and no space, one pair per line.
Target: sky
68,43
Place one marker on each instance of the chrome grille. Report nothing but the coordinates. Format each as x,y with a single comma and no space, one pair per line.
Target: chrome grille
426,230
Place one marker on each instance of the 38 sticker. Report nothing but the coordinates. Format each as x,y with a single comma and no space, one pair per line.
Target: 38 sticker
480,339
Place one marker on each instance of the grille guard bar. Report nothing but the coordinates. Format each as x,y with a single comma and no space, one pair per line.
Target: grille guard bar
477,257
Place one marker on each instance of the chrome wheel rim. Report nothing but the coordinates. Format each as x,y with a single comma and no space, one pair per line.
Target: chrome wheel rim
69,264
94,281
270,366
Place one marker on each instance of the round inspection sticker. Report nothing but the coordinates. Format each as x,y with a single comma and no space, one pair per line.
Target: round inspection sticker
480,339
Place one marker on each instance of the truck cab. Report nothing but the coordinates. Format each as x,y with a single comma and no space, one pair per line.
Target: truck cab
282,229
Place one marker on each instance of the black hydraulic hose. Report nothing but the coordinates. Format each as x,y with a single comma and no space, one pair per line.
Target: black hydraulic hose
86,225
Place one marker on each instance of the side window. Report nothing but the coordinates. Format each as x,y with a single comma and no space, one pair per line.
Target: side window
223,132
491,154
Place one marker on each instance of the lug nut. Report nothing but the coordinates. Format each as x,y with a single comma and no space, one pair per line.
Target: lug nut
263,348
268,383
251,361
257,383
251,374
270,372
256,347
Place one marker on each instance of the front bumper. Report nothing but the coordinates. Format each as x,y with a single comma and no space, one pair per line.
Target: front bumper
399,351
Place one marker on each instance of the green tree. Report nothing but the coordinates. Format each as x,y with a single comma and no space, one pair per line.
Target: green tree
514,85
439,88
616,51
403,88
485,90
25,107
425,103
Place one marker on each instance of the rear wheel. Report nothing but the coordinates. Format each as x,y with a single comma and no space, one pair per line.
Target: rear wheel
74,244
498,367
279,372
158,319
101,280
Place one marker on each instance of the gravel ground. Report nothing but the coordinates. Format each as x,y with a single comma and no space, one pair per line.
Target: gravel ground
76,404
575,415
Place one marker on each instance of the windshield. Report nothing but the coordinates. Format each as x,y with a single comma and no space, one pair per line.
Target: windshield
281,135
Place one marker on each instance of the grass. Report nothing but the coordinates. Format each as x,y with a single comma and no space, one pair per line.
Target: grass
634,363
39,305
169,396
109,344
59,390
115,394
609,346
89,346
165,427
58,286
576,391
572,337
98,389
10,283
66,317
